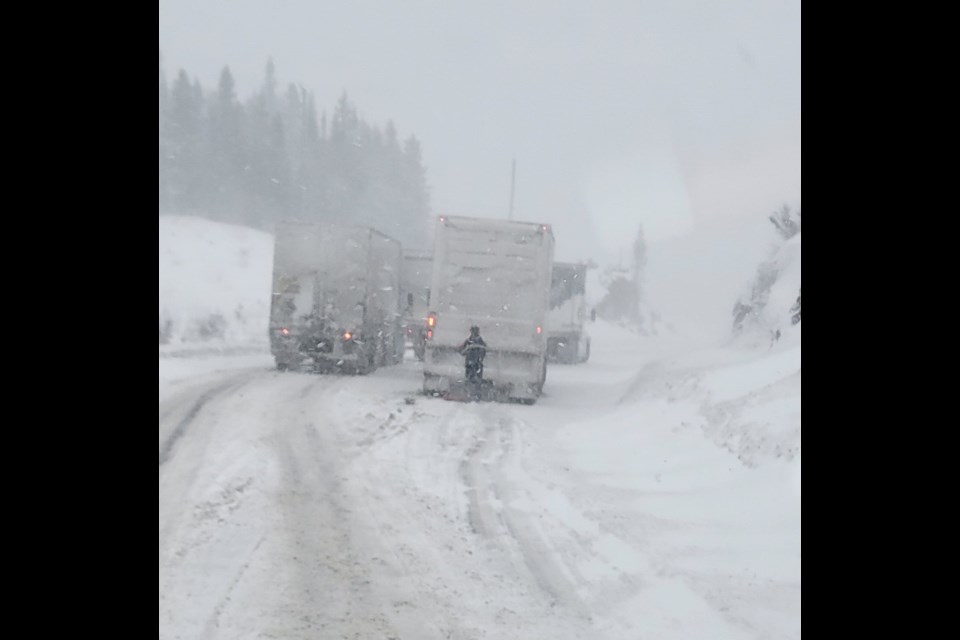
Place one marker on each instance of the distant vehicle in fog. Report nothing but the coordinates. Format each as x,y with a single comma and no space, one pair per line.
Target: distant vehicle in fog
415,278
567,338
335,304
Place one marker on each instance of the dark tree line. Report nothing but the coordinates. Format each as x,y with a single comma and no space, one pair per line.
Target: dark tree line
269,157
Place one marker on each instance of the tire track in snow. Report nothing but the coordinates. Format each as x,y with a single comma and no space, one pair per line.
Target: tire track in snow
331,581
431,528
166,448
483,520
227,529
490,493
214,622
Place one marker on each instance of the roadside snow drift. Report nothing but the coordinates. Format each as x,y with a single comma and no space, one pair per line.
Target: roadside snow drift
214,283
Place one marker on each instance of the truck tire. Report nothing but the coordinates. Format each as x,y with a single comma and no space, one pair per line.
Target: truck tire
283,365
365,368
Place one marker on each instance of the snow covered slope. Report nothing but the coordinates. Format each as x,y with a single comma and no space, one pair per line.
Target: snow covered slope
214,285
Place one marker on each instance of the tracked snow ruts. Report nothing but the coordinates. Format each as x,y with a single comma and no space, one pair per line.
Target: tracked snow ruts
482,472
167,447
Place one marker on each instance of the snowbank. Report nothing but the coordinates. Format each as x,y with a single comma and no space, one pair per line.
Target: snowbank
214,285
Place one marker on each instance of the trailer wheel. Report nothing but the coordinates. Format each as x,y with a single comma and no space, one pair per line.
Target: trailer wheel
364,368
283,365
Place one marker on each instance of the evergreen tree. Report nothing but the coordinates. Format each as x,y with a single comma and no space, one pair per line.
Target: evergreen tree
414,201
185,144
269,89
639,255
164,150
266,180
786,221
226,151
345,172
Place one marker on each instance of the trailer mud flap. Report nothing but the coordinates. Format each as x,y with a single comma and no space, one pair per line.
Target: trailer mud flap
463,391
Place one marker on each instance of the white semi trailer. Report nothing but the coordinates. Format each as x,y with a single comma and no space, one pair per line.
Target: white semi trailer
493,274
335,304
415,277
567,338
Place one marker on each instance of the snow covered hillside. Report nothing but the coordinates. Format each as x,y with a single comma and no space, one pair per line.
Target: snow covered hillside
692,281
214,284
783,293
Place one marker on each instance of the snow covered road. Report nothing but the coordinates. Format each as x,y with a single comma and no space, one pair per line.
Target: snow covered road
641,497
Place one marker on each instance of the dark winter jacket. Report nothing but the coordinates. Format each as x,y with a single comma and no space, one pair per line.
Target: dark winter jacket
474,349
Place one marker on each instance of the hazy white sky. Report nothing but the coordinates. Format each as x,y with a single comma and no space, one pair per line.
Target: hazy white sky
618,113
